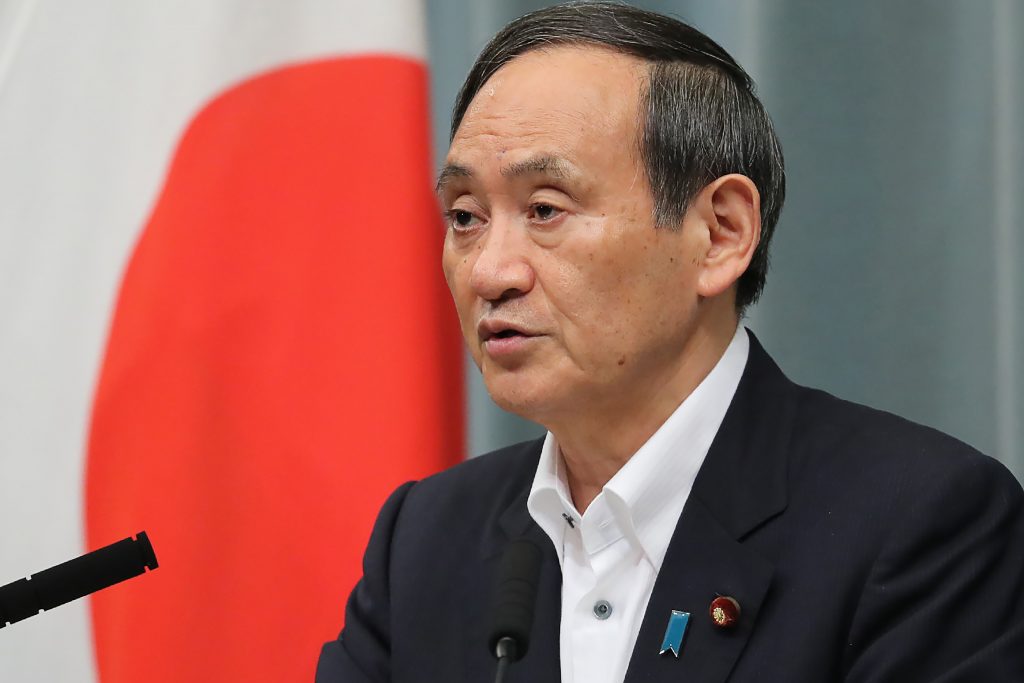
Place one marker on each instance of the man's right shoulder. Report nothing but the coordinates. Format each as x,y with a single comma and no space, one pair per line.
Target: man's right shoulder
483,486
508,470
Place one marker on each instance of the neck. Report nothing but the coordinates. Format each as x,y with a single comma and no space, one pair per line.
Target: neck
595,443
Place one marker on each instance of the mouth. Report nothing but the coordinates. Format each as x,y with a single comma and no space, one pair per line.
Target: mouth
489,330
505,334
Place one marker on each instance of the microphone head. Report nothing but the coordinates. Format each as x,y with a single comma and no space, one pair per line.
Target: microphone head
516,596
146,553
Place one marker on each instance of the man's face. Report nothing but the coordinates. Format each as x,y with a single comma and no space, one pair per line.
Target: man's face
570,299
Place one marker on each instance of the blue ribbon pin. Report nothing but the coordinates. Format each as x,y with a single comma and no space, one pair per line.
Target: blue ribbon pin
677,623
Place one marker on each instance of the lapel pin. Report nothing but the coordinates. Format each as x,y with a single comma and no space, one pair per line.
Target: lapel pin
677,622
724,611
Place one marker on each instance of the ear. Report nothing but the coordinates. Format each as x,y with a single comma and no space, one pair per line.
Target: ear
729,209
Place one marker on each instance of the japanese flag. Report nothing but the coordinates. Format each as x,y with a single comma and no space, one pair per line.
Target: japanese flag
224,321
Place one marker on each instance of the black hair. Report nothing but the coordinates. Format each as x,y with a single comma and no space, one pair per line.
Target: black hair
703,119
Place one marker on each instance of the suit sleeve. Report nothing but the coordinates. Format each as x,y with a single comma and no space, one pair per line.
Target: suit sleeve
361,654
944,601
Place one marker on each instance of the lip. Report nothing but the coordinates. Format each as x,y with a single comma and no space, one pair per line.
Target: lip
495,346
491,327
502,347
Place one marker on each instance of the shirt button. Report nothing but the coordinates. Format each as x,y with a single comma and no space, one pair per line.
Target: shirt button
602,609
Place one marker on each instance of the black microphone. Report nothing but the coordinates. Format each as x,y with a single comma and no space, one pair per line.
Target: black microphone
76,578
518,575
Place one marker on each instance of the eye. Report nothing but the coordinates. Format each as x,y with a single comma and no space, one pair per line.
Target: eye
461,220
544,212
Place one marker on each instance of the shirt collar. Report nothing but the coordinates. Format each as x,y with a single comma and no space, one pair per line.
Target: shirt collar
550,503
646,496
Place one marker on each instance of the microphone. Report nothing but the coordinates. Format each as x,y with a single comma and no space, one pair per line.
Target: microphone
76,578
518,575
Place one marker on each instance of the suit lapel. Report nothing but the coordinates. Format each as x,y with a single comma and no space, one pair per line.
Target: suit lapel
741,486
702,563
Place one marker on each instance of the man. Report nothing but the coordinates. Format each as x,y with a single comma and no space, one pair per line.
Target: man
611,189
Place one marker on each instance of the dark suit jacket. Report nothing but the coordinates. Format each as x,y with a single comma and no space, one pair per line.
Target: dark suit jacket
861,547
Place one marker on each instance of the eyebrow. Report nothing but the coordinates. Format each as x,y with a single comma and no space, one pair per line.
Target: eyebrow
447,173
546,164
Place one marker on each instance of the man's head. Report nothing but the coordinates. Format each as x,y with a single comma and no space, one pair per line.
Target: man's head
700,117
602,193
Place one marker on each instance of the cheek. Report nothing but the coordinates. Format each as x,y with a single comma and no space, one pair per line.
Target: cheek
592,262
449,259
456,272
611,269
615,290
593,295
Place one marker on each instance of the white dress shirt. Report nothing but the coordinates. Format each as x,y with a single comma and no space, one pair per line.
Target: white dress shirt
610,556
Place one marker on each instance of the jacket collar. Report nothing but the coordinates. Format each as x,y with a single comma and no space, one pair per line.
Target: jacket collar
743,481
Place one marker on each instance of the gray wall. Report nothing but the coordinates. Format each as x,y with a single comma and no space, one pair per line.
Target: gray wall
895,277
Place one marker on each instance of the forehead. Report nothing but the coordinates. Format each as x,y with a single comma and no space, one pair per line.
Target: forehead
570,99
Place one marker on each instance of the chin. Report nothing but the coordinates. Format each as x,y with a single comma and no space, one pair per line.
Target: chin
528,400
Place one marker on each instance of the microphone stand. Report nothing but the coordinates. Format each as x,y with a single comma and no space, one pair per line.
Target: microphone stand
76,578
516,595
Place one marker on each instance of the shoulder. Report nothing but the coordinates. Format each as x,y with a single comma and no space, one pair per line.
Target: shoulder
929,530
889,451
499,474
845,449
471,495
872,478
909,535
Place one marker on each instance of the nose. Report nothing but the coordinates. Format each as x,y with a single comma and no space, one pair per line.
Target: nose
502,269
